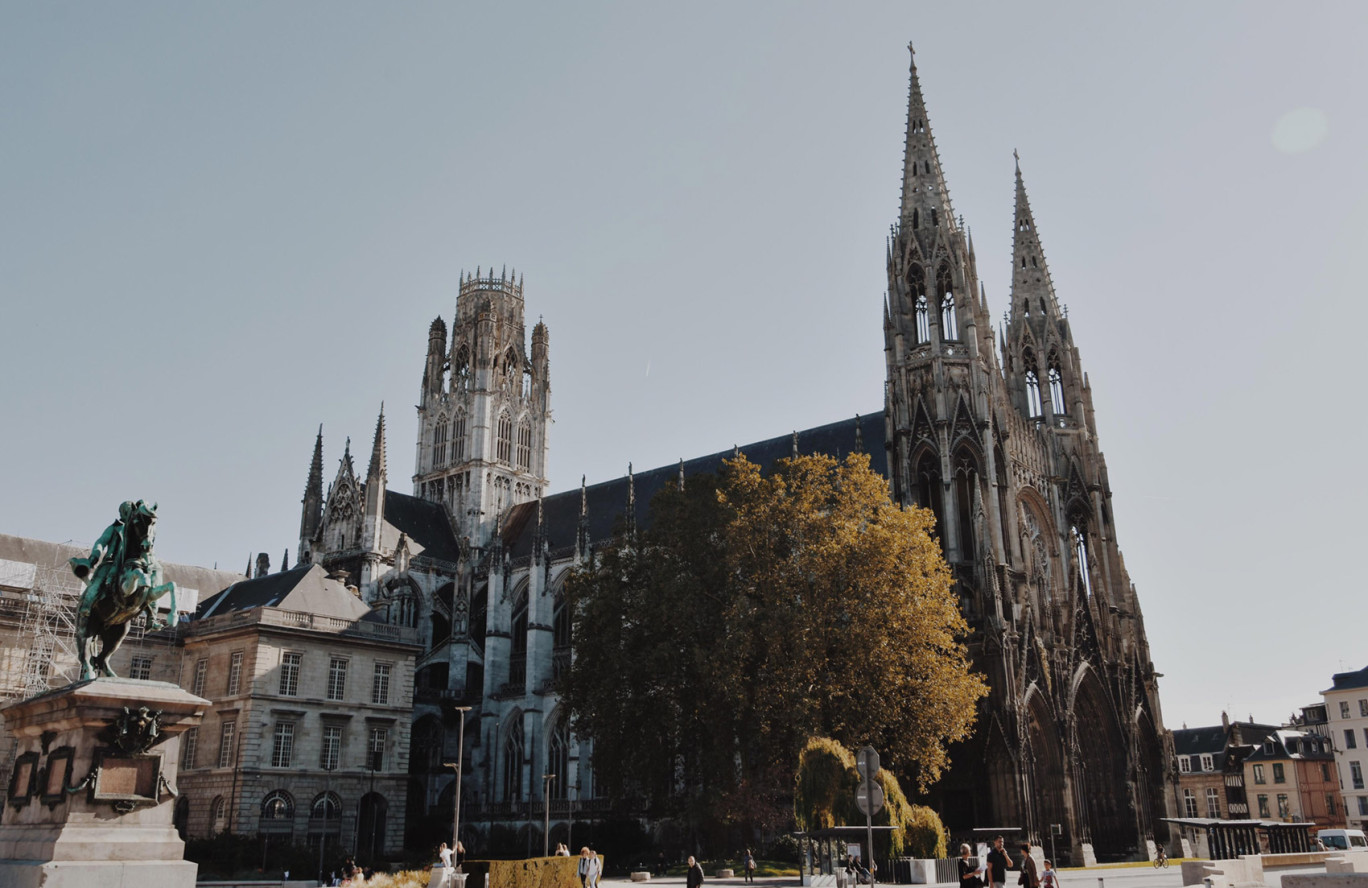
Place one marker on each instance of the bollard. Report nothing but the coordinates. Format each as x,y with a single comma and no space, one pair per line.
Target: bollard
1100,882
1208,883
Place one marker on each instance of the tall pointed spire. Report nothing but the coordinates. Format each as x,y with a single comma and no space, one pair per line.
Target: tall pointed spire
377,460
1032,289
925,199
311,515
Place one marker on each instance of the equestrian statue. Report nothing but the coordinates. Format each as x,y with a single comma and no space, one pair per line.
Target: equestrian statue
123,579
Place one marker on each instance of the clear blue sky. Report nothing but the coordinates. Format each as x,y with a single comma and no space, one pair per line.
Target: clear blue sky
224,224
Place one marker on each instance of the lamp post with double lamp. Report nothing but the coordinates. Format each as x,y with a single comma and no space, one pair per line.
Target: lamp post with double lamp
456,766
546,816
327,804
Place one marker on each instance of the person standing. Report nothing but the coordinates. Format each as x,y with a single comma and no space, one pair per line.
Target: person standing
444,855
584,862
749,866
596,869
1029,878
998,864
694,877
968,872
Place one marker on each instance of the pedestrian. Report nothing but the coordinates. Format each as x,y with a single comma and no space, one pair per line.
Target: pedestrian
584,862
968,872
444,856
1029,878
998,864
694,877
1049,879
750,866
596,869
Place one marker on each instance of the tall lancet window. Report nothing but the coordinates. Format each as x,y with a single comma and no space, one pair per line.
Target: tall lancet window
923,319
458,437
524,445
1033,406
949,325
1056,386
513,760
1080,542
439,443
504,446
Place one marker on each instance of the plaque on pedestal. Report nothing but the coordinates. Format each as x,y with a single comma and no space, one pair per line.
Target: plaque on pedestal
92,794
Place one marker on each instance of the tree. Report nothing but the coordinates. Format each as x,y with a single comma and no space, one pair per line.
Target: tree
757,611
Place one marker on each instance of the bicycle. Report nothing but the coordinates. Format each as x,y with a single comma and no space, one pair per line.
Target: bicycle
1161,859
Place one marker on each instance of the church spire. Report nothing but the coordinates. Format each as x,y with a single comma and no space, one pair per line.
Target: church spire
925,199
1032,289
312,513
377,460
373,516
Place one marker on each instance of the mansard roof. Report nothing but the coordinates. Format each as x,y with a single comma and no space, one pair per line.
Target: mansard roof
423,522
306,588
1344,681
606,503
1195,741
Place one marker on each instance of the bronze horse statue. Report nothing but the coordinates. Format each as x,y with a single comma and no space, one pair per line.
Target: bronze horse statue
123,579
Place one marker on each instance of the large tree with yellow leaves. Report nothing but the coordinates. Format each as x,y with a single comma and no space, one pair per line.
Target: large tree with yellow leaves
758,611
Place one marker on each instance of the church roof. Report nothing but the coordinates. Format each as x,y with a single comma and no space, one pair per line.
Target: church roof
606,503
423,522
306,588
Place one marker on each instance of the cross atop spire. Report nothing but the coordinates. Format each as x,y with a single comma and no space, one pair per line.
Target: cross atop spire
925,199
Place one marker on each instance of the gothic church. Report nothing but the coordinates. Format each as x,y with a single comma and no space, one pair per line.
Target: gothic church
994,434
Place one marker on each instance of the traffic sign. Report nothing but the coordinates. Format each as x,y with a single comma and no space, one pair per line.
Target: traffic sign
867,793
868,764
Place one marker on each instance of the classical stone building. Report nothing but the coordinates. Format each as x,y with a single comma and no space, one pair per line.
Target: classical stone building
995,435
308,736
1346,702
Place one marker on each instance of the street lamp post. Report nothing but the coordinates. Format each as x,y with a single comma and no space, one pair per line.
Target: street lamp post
323,836
546,817
456,766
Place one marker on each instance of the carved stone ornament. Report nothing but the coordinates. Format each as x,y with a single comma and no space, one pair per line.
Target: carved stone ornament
134,732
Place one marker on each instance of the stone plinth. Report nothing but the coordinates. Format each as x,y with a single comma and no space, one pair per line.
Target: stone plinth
90,804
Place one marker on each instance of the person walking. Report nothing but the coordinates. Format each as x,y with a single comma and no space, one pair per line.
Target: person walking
998,864
596,869
1029,877
749,866
444,855
694,877
584,862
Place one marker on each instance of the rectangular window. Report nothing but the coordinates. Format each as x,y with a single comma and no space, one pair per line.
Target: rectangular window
189,742
376,760
1279,776
1190,802
332,747
282,746
140,669
1344,709
1263,806
1363,804
1349,740
1283,810
1208,763
225,759
380,686
1213,806
337,678
1259,774
1330,803
1184,765
201,671
1363,707
235,674
289,674
1325,773
1356,774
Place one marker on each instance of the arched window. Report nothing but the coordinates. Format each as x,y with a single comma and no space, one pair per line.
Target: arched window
460,373
277,813
1080,543
326,806
439,443
916,286
561,629
513,761
524,445
1056,386
510,369
949,325
923,320
558,759
458,437
1033,406
504,447
916,216
517,666
929,486
966,475
218,816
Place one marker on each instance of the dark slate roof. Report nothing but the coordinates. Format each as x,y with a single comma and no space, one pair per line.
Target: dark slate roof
423,522
607,502
1195,741
267,591
1293,745
1346,680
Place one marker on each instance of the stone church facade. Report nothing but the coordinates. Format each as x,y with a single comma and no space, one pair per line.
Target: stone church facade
994,434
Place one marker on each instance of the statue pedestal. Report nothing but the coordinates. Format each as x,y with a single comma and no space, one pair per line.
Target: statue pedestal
91,799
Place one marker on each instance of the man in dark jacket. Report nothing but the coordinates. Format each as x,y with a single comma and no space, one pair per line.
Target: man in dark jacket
694,878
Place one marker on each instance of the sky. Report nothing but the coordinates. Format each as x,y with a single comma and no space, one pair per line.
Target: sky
222,225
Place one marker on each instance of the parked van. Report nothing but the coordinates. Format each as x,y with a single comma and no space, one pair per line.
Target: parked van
1343,839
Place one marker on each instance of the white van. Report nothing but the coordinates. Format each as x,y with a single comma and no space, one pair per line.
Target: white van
1343,839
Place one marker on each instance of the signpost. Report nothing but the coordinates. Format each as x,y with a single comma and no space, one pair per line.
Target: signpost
870,798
